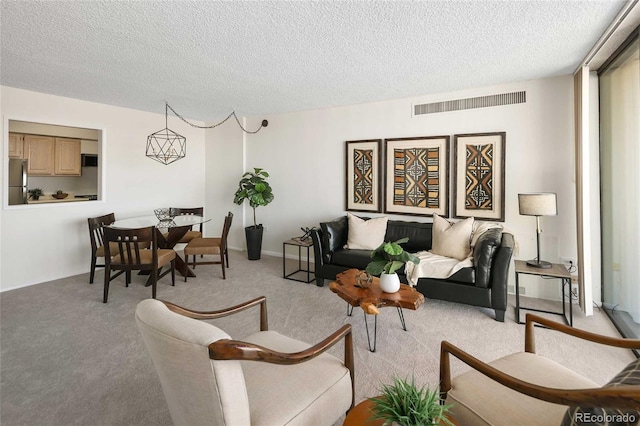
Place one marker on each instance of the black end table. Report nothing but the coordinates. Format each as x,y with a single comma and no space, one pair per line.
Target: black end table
297,242
556,271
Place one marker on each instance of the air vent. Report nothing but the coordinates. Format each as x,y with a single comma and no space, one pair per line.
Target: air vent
471,103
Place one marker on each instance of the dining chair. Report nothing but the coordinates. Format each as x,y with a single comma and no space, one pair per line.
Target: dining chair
130,254
96,234
210,246
265,378
191,234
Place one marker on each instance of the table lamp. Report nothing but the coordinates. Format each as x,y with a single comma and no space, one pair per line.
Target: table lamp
538,204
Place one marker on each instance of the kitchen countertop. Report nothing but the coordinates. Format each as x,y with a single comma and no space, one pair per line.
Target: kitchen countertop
49,199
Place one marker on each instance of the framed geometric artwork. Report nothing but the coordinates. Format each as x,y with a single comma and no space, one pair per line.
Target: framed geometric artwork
363,176
417,176
479,175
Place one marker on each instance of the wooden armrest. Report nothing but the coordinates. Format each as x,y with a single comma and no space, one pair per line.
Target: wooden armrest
529,339
609,397
237,350
262,301
234,349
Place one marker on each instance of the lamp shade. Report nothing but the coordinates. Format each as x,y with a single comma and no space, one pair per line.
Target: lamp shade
538,204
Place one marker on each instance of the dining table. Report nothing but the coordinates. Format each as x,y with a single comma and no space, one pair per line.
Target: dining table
168,233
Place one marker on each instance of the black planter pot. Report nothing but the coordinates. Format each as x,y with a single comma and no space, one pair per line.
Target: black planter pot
254,241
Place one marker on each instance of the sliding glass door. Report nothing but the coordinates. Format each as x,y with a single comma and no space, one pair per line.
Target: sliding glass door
620,186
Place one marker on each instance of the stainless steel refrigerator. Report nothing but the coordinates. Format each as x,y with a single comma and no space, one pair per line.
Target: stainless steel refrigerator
18,191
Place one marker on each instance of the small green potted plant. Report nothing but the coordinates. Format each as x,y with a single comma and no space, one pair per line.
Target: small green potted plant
254,187
35,193
405,404
387,259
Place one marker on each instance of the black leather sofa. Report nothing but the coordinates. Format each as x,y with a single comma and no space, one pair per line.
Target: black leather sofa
484,284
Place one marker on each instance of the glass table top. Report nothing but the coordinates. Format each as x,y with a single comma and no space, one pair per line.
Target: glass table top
144,221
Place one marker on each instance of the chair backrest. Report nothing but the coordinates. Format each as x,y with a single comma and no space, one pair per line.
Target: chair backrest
96,225
198,390
178,211
132,244
225,229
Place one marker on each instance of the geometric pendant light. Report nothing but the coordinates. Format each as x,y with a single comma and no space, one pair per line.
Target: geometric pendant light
167,146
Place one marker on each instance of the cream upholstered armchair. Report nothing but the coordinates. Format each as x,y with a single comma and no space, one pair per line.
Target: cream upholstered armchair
265,379
527,388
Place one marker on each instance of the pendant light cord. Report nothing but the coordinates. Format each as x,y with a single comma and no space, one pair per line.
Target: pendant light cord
264,123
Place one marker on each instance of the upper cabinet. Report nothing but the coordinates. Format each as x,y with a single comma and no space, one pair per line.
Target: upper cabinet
68,158
16,145
39,151
89,147
49,156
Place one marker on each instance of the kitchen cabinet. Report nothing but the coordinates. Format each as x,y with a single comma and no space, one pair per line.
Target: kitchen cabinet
88,147
16,145
49,156
67,157
39,151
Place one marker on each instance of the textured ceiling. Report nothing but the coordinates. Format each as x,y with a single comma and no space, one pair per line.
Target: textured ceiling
208,57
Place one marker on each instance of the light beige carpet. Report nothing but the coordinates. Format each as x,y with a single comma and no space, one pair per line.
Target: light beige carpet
66,358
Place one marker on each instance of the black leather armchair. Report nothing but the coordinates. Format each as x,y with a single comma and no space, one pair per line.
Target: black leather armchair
484,284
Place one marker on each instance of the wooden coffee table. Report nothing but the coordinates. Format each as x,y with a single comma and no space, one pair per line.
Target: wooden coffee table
372,298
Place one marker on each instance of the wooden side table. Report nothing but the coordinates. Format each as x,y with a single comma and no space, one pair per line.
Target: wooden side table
556,271
360,415
300,244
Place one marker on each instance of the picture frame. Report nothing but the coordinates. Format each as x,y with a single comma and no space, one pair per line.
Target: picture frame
417,176
479,176
363,176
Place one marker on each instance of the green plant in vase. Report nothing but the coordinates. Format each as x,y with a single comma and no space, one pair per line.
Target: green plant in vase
35,193
387,259
405,404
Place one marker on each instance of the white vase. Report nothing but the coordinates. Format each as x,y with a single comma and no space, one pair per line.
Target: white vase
389,283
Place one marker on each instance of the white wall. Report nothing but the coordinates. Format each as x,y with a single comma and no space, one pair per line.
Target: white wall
304,153
224,157
43,242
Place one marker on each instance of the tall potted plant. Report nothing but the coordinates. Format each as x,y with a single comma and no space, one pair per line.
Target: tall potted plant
387,259
254,187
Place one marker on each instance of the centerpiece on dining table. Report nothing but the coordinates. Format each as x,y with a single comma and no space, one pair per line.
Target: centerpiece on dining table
165,216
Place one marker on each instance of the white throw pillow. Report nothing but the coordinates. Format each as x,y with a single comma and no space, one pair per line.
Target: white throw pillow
451,239
365,234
